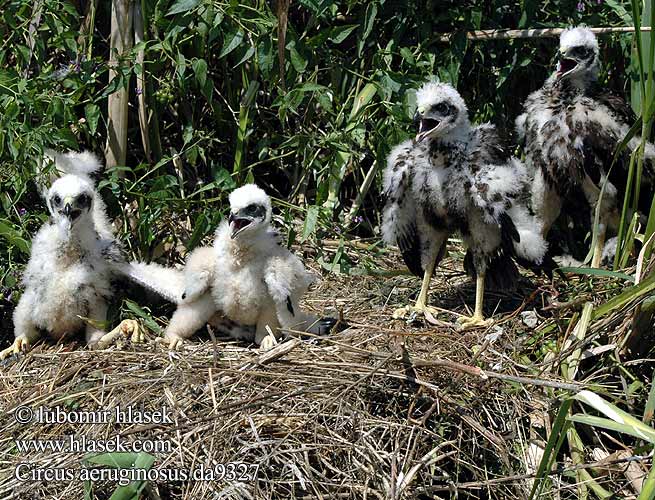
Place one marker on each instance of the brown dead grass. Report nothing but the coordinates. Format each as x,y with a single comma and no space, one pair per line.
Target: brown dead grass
348,416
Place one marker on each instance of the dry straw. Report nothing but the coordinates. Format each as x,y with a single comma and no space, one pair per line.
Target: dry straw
382,410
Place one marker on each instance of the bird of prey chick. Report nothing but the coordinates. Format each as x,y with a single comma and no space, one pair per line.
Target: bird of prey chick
570,129
68,277
247,285
457,177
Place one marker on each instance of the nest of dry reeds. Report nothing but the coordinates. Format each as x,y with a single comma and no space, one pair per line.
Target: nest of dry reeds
385,409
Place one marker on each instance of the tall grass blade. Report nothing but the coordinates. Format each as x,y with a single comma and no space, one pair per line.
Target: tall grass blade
591,271
555,440
628,191
604,423
576,448
620,420
585,481
648,488
242,131
634,292
649,410
282,22
638,87
630,241
570,366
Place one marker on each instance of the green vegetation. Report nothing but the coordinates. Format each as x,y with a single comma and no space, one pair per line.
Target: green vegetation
215,98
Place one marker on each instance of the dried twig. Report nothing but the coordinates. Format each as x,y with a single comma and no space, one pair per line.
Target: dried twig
506,34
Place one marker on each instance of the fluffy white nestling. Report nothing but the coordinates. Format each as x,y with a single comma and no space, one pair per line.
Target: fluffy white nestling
82,165
570,129
68,277
246,285
457,177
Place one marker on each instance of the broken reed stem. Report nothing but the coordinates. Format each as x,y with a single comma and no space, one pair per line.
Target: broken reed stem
478,372
139,36
469,370
506,34
282,21
37,10
121,39
85,39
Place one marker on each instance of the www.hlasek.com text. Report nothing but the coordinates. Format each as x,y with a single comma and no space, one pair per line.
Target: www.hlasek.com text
83,444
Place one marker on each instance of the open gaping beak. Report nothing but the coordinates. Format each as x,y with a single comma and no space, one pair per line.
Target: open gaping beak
565,65
427,127
238,224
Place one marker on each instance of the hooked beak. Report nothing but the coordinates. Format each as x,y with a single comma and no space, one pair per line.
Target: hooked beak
565,65
427,127
416,120
238,224
68,210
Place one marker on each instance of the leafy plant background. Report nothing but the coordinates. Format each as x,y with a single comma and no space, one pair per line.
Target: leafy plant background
213,85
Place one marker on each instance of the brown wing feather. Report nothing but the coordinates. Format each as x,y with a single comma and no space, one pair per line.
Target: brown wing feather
615,103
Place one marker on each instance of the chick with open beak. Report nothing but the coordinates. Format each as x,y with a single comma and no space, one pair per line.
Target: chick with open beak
437,118
248,285
577,55
68,281
247,219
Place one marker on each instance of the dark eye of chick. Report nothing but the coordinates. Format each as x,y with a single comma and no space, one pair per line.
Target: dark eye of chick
254,210
580,52
441,108
84,200
56,200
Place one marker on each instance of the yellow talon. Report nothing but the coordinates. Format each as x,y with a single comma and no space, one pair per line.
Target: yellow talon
466,322
127,327
405,312
402,312
132,326
174,342
477,320
21,344
421,306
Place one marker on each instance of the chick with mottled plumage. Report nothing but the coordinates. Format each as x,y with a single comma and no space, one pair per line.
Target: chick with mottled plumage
246,285
571,128
457,177
68,279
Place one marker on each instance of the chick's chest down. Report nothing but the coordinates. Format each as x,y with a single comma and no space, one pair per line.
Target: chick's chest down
65,286
448,186
239,291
